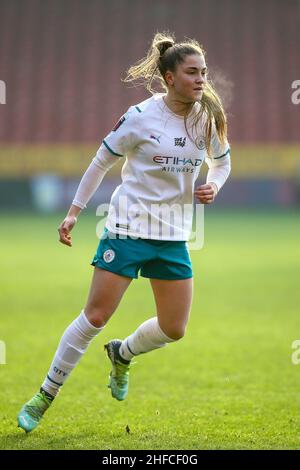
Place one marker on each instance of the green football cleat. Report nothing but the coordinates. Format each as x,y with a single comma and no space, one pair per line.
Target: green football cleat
119,375
32,412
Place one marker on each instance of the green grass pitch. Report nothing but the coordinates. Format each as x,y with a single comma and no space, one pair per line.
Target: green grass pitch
228,384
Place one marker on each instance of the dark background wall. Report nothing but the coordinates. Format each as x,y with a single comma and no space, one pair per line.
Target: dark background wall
62,61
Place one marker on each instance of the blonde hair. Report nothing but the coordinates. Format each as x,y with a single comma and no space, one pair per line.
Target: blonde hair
165,54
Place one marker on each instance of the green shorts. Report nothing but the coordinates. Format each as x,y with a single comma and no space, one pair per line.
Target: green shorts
158,259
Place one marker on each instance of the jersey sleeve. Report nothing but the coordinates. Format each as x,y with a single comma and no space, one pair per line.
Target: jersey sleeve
218,162
93,176
124,136
219,152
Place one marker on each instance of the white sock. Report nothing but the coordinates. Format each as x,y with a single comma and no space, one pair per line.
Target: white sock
147,337
72,346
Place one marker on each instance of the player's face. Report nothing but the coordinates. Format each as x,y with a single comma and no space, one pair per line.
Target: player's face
188,80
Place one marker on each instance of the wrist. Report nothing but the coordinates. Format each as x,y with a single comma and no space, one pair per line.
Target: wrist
74,211
214,186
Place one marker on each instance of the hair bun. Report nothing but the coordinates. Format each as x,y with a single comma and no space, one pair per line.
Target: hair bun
163,45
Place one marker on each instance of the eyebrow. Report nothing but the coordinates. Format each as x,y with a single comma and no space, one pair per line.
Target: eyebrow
196,68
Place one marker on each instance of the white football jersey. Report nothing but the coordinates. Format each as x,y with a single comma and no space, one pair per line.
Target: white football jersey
155,198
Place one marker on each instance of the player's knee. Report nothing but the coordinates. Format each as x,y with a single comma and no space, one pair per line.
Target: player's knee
96,316
175,332
178,334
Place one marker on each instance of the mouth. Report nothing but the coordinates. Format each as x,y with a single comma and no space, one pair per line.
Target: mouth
198,89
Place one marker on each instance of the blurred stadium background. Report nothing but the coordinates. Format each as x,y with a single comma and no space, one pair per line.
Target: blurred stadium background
62,62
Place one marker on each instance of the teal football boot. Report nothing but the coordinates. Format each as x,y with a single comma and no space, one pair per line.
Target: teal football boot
32,412
119,375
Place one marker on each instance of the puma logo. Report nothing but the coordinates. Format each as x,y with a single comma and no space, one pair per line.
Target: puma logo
155,138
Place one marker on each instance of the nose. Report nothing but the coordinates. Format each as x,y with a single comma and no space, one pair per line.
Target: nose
200,80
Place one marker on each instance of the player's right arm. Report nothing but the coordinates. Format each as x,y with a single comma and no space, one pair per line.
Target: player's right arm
116,144
88,185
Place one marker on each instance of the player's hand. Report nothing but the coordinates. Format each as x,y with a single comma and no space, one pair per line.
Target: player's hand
206,193
65,228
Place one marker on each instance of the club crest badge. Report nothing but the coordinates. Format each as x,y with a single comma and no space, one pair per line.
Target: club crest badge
201,143
109,256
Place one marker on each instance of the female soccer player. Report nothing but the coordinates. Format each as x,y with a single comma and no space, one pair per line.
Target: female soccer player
165,139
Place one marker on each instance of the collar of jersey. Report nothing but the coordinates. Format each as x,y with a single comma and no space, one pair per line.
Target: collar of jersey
165,108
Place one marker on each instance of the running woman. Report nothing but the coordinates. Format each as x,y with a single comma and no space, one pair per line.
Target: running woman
164,141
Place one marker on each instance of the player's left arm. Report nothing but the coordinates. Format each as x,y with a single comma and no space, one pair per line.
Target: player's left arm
219,167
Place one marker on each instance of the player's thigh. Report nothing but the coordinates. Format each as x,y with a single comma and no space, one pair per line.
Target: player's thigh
173,303
105,294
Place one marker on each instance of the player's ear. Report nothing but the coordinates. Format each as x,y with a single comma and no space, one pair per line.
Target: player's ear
169,78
